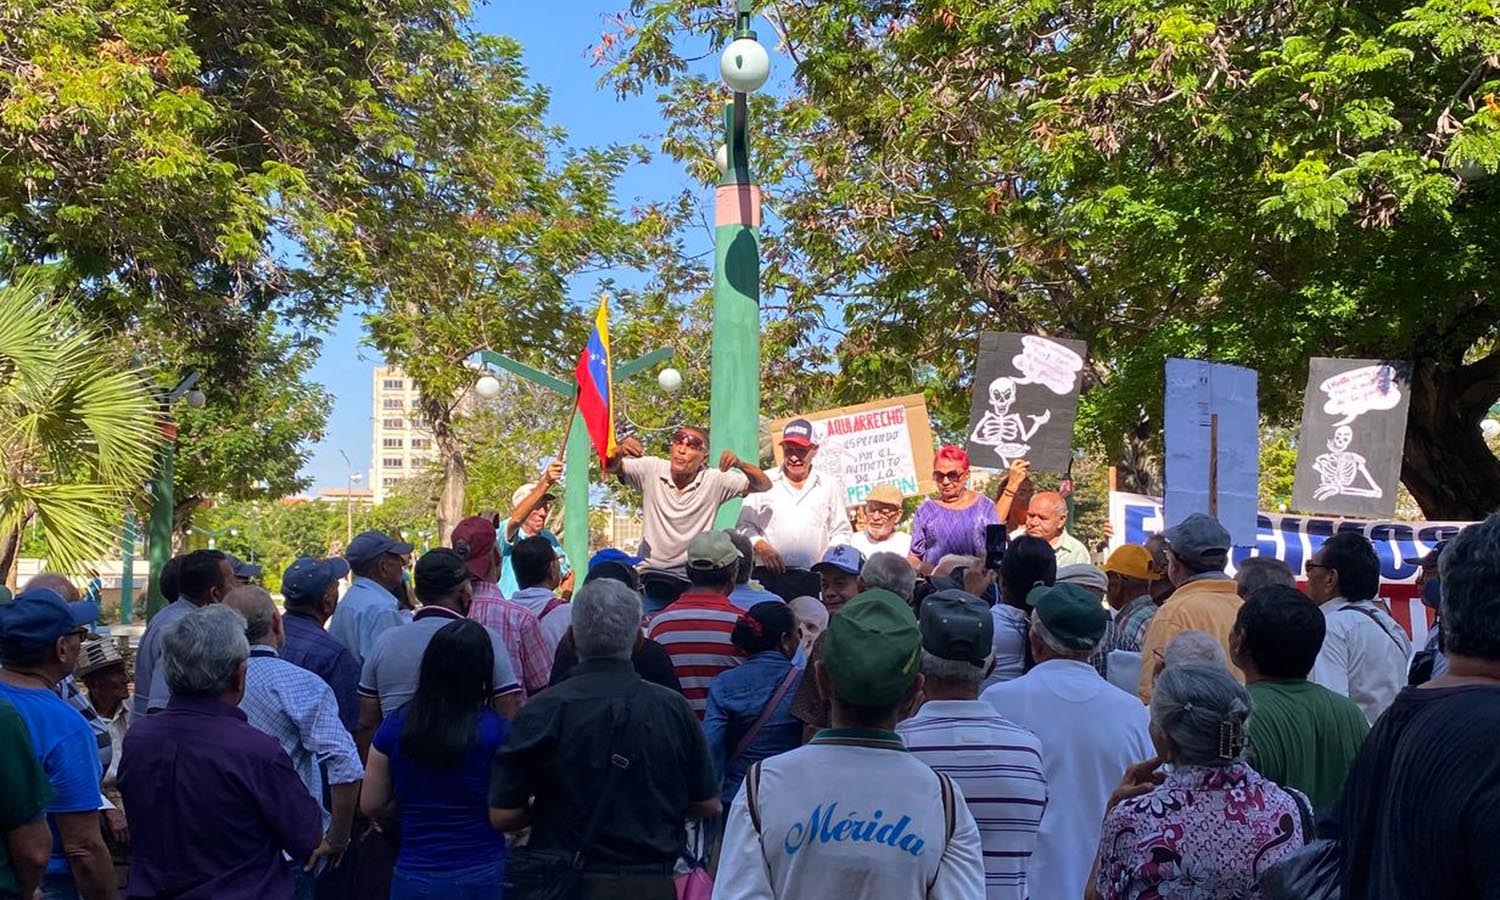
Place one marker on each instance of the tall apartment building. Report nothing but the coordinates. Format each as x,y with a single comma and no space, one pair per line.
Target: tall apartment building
402,444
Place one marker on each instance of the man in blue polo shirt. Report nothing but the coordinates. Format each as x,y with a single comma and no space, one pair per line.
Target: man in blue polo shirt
41,638
371,604
310,588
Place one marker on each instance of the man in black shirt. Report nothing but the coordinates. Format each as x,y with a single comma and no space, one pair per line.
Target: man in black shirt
558,756
1421,805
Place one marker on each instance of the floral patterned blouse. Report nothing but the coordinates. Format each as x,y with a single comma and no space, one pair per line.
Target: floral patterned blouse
1206,833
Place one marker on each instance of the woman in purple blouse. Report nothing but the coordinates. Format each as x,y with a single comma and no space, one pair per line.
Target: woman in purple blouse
953,521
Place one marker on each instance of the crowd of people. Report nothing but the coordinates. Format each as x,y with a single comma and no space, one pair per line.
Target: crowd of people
806,705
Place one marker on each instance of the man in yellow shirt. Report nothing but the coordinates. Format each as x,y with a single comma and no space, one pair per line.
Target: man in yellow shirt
1205,598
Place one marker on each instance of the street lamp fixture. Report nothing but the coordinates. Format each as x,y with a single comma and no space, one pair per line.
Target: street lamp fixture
745,65
487,387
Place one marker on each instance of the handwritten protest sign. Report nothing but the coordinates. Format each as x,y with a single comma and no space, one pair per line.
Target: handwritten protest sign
1353,429
1025,400
883,442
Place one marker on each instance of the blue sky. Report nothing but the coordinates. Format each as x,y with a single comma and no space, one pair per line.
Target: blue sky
556,36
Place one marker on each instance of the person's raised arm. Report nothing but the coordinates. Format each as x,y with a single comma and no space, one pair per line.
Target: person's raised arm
550,476
631,446
759,480
1019,469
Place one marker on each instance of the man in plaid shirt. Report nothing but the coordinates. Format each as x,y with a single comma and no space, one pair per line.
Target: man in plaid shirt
475,540
1131,577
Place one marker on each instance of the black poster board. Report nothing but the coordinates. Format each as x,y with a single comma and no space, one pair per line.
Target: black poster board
1353,429
1025,400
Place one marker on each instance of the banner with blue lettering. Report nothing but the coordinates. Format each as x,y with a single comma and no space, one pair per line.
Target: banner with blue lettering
1294,539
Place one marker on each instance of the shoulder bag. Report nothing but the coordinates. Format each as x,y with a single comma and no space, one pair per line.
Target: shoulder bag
765,714
535,874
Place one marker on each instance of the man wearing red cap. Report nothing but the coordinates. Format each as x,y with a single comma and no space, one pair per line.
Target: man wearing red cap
474,539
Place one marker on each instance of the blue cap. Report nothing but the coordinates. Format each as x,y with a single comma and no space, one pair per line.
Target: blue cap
842,557
38,617
308,578
241,568
613,555
369,544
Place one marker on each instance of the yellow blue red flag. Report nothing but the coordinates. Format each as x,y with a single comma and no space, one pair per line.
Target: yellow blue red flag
594,374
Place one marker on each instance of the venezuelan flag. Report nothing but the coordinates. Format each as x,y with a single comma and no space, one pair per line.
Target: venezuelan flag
594,374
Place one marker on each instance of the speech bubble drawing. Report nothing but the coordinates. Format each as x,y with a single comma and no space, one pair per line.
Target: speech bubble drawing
1358,391
1044,362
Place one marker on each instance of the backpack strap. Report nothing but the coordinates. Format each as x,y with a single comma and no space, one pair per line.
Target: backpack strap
552,604
1373,617
752,795
950,815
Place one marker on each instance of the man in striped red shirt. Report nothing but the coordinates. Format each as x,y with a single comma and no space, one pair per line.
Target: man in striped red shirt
695,628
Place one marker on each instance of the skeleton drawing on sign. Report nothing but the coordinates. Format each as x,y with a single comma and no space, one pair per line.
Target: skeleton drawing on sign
1342,472
1004,431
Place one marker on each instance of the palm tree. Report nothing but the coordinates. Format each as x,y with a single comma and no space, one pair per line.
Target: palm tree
78,429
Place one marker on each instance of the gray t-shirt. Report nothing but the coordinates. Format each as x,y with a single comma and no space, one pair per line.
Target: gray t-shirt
390,671
671,517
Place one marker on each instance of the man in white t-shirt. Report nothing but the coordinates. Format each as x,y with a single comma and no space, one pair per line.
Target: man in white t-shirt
852,815
1365,651
883,511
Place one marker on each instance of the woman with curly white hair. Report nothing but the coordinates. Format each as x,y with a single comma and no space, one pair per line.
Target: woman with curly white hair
1207,827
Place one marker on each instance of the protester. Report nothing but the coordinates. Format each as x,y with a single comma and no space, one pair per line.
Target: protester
747,593
1302,735
244,572
214,802
429,767
1162,587
1421,804
530,505
649,659
1131,577
1208,826
808,823
203,577
538,574
296,708
1365,651
1047,518
73,694
795,520
554,770
679,498
812,620
749,713
1028,563
310,591
954,520
372,604
101,668
530,658
1192,648
1429,662
996,763
25,841
838,576
1197,551
389,677
696,628
1091,732
1261,571
884,506
41,637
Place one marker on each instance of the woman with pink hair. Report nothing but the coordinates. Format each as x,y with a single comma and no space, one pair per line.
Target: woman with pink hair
952,523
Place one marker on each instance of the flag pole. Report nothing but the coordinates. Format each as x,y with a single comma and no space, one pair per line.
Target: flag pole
562,450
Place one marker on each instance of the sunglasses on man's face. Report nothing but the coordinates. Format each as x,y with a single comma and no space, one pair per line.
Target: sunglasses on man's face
690,441
939,475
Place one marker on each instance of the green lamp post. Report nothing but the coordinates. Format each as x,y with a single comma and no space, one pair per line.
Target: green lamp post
159,532
577,452
734,404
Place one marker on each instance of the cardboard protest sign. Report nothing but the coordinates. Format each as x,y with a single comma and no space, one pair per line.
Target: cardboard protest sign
1353,429
1212,431
883,442
1025,400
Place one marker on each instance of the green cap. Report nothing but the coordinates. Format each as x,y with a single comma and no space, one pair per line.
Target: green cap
712,550
872,649
1072,615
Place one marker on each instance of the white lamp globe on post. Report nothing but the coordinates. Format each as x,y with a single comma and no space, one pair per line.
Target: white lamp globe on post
195,399
745,65
487,387
721,158
1490,428
669,380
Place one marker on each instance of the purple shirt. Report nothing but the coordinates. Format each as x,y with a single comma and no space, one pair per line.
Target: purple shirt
213,803
937,531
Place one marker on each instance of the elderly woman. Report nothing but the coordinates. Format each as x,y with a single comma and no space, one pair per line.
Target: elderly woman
1207,829
952,523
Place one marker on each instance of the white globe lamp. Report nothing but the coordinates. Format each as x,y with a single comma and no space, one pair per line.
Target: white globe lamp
669,380
721,159
195,399
745,65
1489,428
488,387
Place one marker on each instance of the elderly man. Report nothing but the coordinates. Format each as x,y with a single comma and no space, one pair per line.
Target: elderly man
244,572
695,629
530,505
389,677
883,508
794,521
1365,651
101,668
518,626
1130,576
214,802
539,578
679,498
70,690
204,577
296,708
1091,732
573,749
996,763
373,603
747,593
25,842
1205,598
1047,518
1262,571
808,823
310,591
41,639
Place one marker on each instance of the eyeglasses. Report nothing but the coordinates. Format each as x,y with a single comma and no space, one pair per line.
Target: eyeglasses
690,441
1310,565
941,476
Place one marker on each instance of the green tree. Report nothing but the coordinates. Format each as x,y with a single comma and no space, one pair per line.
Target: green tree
78,424
1252,184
